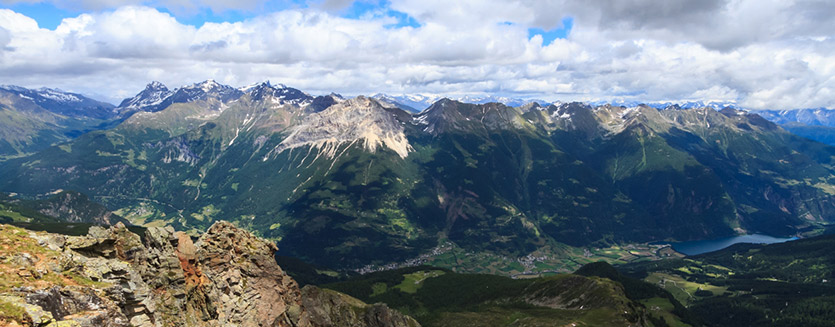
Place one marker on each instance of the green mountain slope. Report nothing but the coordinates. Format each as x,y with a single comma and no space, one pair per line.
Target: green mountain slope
30,122
438,297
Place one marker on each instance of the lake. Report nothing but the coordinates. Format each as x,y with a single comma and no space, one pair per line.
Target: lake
704,246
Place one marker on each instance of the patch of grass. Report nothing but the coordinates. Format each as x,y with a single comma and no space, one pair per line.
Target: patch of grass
9,311
683,290
412,282
206,214
83,281
14,216
378,288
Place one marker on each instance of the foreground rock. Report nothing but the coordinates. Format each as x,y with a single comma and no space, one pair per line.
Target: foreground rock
111,277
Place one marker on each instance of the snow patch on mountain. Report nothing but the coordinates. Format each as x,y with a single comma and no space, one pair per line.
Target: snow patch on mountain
153,95
58,95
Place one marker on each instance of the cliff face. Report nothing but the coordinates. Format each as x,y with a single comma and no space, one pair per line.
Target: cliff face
111,277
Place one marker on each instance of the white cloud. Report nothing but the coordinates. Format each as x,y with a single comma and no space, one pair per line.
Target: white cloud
764,54
15,22
5,38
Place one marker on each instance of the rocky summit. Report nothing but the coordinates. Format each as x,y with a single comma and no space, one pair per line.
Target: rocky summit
113,277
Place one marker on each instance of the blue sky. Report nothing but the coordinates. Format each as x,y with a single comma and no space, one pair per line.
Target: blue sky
770,54
49,16
553,34
46,14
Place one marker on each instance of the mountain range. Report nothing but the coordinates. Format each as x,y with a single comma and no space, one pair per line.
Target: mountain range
815,124
348,182
415,103
31,120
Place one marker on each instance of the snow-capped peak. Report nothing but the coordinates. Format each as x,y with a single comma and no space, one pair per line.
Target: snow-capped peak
278,94
155,85
207,85
44,94
248,88
65,103
153,95
13,88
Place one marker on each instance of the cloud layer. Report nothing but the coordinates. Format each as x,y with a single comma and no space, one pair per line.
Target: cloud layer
760,53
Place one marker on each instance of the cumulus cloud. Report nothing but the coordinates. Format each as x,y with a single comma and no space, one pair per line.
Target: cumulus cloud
760,53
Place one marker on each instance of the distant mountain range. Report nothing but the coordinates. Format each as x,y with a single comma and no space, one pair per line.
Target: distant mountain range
816,124
814,117
59,102
418,102
348,182
32,120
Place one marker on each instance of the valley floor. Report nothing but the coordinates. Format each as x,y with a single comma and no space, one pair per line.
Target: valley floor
545,261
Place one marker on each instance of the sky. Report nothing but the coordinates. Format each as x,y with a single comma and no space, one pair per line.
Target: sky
759,54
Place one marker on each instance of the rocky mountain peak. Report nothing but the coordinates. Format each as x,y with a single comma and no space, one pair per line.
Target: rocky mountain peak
207,86
277,94
574,116
112,277
531,106
448,115
148,99
155,85
207,89
616,119
360,120
156,96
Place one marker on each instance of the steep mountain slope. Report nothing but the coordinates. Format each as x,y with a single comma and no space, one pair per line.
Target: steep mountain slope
351,182
32,120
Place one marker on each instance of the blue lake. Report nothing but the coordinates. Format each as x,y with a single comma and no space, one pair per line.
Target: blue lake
704,246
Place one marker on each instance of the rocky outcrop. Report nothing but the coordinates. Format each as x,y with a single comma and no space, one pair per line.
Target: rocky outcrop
328,308
360,120
111,277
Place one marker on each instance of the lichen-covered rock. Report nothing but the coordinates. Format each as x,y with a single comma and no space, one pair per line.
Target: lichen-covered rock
236,265
228,277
